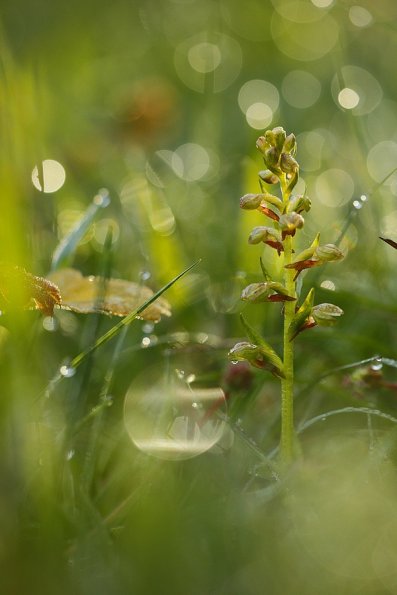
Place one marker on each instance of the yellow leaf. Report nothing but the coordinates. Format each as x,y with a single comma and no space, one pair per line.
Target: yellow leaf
113,296
20,289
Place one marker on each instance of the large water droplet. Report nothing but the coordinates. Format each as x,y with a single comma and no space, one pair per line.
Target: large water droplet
168,419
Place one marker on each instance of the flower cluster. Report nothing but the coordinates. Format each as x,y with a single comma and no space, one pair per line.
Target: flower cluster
285,215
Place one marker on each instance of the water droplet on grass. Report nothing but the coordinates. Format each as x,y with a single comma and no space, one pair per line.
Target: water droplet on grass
70,455
357,204
145,275
67,371
102,199
148,327
377,364
145,342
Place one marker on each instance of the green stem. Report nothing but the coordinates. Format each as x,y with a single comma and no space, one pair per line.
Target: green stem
287,384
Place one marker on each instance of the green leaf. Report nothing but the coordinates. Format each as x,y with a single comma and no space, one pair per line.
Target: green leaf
67,246
308,252
268,351
264,271
301,315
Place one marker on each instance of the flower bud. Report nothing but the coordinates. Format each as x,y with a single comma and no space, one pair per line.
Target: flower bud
269,291
270,138
262,144
250,201
290,144
290,222
299,203
271,157
267,176
279,135
257,356
264,234
328,253
326,314
288,164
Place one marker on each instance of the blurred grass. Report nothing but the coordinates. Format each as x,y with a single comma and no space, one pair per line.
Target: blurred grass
107,91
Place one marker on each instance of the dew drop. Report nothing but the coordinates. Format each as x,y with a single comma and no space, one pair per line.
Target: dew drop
377,364
69,455
145,275
180,374
202,337
67,371
145,342
148,327
50,324
102,199
234,362
357,204
323,418
191,378
363,198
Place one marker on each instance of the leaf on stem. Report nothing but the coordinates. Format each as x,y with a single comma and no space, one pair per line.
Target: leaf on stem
258,352
321,255
302,319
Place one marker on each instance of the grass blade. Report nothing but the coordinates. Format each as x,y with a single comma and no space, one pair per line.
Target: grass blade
67,246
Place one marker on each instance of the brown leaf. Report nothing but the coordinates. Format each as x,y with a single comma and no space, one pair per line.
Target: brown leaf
113,296
20,289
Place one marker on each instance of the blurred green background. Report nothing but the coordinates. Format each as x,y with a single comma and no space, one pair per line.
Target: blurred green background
161,102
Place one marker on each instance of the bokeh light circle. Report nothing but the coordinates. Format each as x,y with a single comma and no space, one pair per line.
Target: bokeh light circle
204,57
360,16
169,418
50,178
334,187
259,115
300,89
348,98
297,11
258,100
190,162
381,161
208,62
257,91
308,41
310,146
362,84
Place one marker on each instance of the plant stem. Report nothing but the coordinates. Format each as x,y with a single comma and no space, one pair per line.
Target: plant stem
287,383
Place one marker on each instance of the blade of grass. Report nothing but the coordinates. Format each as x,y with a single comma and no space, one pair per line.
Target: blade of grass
67,246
